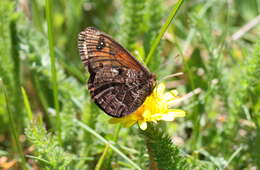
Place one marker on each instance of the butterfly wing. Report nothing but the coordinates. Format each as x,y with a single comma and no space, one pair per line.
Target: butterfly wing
118,83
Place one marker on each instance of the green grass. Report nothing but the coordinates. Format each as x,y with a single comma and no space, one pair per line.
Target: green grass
13,129
48,120
49,16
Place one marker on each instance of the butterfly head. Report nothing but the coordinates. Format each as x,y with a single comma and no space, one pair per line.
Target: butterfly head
152,80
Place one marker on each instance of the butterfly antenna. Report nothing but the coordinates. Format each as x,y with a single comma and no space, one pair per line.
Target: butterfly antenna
171,76
167,77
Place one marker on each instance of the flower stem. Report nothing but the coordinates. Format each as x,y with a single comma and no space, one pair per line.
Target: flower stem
152,164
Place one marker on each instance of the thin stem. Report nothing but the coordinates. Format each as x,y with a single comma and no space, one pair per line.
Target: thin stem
107,151
102,158
90,130
233,156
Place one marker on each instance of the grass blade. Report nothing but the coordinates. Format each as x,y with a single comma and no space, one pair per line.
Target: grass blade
13,130
102,158
49,17
27,104
233,156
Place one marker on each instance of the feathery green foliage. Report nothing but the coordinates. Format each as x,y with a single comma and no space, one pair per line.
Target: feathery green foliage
162,151
9,60
49,153
10,95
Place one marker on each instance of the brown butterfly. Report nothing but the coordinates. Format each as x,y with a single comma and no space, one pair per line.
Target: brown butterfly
118,83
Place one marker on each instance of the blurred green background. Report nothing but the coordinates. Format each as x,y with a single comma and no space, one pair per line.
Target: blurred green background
215,43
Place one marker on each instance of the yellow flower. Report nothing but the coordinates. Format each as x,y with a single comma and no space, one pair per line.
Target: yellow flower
155,107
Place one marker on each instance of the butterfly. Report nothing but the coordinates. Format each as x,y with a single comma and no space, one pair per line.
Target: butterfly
118,82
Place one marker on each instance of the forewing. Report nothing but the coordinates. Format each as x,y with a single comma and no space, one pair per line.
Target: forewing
97,48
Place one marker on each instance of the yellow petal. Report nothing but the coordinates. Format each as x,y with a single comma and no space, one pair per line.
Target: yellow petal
173,101
168,96
177,112
147,114
174,92
154,121
168,117
142,125
156,116
160,89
